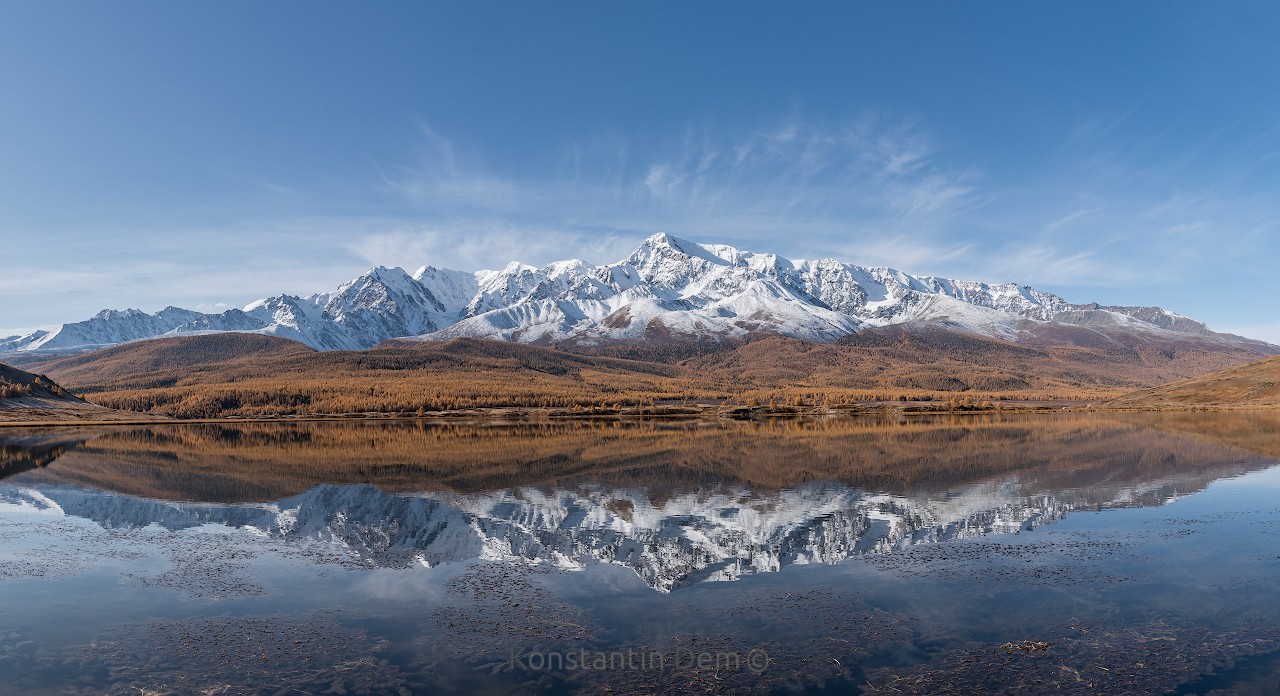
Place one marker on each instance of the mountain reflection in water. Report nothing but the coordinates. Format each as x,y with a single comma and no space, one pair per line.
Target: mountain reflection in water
677,503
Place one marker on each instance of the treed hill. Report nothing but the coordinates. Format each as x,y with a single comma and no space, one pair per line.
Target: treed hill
15,383
27,397
1255,385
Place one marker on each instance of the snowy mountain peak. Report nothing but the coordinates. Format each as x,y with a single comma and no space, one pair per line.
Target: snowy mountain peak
516,267
384,281
454,289
663,251
572,266
117,314
667,287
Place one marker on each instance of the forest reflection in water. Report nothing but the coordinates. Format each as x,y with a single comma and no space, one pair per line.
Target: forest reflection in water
267,461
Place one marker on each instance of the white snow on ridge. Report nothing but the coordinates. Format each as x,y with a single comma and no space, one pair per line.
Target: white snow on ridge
667,286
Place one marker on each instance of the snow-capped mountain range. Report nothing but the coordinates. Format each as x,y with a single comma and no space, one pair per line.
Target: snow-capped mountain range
667,287
694,536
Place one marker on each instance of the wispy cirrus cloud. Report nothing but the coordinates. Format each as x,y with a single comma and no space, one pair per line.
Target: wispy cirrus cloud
1102,219
491,245
906,252
1103,213
797,187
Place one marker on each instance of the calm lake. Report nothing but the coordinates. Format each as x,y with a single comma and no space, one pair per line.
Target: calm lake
1073,553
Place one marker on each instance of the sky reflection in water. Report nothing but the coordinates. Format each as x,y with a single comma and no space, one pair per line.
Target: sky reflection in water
924,555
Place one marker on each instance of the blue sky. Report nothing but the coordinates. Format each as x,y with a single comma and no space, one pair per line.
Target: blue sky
207,154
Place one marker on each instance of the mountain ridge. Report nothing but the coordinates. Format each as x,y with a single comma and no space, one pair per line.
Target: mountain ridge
668,288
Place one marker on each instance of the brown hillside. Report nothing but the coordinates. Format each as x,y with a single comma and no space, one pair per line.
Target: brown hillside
15,384
474,352
249,375
928,359
396,378
1255,385
141,357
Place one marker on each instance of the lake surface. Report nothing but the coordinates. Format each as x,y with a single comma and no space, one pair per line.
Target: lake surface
1134,553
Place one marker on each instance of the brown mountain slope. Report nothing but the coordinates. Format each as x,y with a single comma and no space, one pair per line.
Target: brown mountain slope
483,352
930,359
160,354
395,378
245,375
1255,385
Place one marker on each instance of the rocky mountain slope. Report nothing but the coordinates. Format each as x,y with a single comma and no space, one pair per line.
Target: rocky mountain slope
667,289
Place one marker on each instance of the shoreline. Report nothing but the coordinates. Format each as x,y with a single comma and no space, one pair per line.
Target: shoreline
689,413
